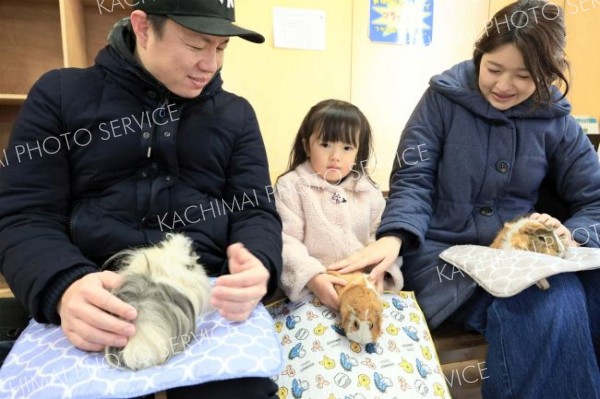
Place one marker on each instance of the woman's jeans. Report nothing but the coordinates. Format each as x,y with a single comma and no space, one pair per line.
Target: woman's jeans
541,344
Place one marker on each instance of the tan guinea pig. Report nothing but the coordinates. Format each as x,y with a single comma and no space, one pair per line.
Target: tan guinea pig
530,235
360,308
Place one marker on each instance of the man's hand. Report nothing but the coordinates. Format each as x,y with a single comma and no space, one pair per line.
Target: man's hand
322,285
237,294
92,317
379,254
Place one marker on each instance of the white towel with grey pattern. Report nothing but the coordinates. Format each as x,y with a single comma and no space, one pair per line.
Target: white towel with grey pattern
506,272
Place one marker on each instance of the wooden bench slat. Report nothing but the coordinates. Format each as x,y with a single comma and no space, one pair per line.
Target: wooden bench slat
5,292
462,357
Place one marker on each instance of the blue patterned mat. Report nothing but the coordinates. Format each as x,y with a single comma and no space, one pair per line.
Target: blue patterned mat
43,364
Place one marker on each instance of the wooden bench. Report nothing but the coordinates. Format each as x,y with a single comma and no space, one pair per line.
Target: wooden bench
5,292
462,356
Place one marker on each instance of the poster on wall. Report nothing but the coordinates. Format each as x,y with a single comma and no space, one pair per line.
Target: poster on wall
404,22
299,28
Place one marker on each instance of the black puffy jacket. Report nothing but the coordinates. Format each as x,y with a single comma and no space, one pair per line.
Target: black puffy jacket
105,158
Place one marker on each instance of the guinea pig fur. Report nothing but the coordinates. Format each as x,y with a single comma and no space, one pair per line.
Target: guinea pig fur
360,308
169,289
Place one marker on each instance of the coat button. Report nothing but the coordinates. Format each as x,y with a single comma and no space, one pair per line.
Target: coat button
167,133
486,211
146,135
168,178
502,166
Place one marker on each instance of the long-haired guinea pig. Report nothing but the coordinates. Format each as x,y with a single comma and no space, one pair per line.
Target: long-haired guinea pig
361,308
530,235
169,289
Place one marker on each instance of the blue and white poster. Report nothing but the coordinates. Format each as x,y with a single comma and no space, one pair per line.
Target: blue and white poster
405,22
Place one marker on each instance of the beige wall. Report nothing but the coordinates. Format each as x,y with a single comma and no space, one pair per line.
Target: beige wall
583,41
582,19
384,80
388,80
282,84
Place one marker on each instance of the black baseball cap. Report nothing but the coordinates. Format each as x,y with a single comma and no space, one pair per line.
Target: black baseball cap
213,17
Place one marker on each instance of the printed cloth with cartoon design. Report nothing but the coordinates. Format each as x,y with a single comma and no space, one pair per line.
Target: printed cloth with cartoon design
322,363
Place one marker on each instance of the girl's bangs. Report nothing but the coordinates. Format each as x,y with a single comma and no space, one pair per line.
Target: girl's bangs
338,131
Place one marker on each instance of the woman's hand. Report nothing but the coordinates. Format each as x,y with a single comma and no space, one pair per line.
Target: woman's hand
323,286
561,231
379,255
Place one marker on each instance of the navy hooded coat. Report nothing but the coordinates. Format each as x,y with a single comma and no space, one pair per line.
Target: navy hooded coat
463,168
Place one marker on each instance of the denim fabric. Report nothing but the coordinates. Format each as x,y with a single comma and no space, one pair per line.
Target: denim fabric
591,284
540,342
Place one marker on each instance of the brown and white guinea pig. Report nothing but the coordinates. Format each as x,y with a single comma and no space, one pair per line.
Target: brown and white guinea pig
530,235
361,308
169,289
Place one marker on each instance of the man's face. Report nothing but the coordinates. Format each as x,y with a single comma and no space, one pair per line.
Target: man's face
183,60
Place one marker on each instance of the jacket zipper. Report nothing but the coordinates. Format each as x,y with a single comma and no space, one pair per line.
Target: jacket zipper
163,104
74,214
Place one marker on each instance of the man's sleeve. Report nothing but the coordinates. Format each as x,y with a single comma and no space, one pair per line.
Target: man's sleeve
255,223
36,255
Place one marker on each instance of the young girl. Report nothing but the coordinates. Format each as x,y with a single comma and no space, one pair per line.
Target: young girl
328,205
494,128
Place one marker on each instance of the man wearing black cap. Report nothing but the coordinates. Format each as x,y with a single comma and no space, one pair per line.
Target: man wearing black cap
115,156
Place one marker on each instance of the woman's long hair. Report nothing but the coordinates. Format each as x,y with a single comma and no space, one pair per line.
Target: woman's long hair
537,29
